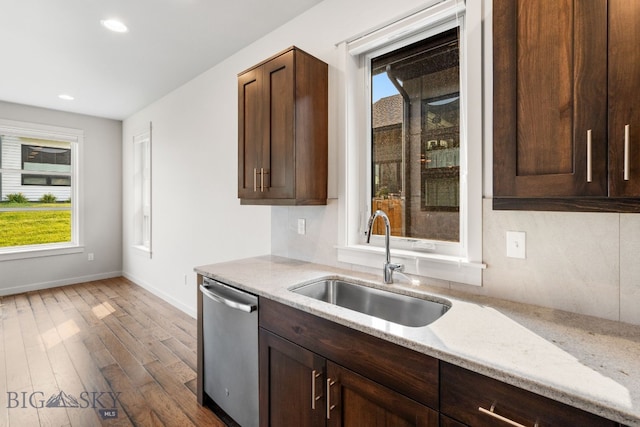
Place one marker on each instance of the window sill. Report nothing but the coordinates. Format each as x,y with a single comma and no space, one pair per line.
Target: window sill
443,267
25,252
142,250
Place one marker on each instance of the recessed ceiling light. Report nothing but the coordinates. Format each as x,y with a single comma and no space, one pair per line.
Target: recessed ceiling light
114,25
66,97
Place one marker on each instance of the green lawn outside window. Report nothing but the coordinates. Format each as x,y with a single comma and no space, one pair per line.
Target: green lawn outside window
34,227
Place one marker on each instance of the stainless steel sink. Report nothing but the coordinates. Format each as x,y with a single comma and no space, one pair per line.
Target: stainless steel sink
396,308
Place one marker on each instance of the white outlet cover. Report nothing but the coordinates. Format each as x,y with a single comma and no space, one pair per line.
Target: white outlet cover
516,244
302,226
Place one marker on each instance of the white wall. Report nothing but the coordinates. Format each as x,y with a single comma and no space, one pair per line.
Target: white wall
196,215
101,190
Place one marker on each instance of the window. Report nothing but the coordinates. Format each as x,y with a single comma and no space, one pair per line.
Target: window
48,156
38,188
142,190
415,138
440,160
414,142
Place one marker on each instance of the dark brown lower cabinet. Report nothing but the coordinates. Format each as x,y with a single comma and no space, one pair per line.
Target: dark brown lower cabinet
477,400
316,373
300,388
355,401
448,422
291,384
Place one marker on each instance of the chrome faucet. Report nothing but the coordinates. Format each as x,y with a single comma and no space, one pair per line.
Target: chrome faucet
388,268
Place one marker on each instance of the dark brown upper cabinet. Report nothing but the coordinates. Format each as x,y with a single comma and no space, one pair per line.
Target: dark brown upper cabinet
565,76
282,131
624,102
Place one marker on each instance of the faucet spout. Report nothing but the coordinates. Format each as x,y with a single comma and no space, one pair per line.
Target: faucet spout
388,267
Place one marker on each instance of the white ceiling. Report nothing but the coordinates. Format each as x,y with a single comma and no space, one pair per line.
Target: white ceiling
50,47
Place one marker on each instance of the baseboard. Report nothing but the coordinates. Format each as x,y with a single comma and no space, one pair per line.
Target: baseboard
161,294
57,283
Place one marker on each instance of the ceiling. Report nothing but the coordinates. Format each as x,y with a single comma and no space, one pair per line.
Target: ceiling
53,47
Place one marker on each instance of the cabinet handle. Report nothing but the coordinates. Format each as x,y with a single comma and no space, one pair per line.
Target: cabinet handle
491,413
255,186
314,398
329,405
626,152
262,179
589,155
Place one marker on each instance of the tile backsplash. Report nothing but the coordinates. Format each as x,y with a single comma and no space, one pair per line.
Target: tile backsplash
587,263
630,268
572,261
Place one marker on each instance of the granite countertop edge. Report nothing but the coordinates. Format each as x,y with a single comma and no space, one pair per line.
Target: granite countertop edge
571,341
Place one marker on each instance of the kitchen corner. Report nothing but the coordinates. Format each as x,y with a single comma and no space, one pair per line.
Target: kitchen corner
581,361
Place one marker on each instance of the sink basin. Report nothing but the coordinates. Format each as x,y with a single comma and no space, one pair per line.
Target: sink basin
402,309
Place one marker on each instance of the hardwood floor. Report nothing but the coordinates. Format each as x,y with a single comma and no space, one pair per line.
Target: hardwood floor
99,353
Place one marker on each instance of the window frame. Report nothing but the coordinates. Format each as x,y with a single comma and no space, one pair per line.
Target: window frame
142,185
75,137
458,262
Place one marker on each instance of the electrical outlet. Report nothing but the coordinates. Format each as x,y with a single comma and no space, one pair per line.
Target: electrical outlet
516,244
90,256
302,226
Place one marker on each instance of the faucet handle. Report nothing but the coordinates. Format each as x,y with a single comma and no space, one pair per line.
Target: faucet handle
396,267
388,270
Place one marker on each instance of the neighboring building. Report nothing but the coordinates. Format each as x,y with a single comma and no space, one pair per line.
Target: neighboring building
387,149
417,182
34,167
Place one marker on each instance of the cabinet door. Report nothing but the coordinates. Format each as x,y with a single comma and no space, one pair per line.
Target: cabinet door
550,93
250,134
291,384
354,401
448,422
624,104
278,143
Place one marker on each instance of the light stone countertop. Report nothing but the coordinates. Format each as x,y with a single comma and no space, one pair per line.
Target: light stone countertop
586,362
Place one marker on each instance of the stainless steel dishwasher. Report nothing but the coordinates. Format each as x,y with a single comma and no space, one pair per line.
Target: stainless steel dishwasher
230,344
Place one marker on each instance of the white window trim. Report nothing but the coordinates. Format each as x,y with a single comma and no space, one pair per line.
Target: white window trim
138,182
55,133
462,262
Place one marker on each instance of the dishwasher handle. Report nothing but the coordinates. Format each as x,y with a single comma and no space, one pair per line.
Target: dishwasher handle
222,299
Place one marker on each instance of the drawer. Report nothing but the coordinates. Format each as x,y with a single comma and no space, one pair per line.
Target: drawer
468,397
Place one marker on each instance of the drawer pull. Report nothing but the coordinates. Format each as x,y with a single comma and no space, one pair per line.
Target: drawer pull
314,398
329,405
491,412
263,172
626,152
255,186
589,157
